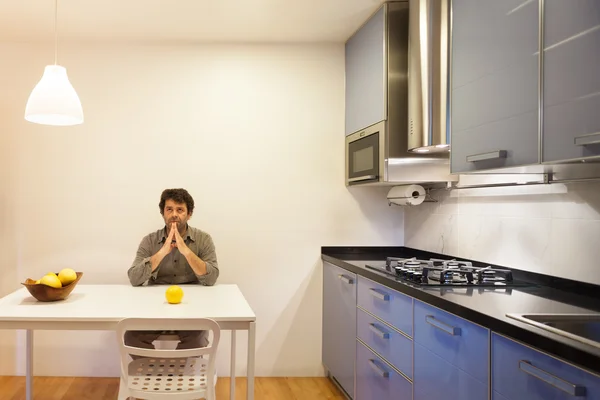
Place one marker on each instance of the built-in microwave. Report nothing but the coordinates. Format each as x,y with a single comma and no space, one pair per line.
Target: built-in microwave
364,149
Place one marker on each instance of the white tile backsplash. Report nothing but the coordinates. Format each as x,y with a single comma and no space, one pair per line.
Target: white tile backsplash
550,229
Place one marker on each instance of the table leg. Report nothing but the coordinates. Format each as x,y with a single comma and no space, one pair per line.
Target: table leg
29,366
250,367
232,372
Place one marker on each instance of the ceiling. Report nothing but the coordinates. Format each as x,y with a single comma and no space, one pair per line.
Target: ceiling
186,20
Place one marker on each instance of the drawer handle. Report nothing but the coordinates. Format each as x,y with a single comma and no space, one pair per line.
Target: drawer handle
380,371
379,332
452,330
584,140
379,294
346,279
492,155
567,387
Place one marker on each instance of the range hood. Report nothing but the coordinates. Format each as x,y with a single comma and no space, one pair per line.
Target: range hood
428,92
412,130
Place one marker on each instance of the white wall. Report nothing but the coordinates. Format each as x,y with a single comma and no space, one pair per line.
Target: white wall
552,229
255,133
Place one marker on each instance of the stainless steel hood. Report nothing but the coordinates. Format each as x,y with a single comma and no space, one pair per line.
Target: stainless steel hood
413,132
429,50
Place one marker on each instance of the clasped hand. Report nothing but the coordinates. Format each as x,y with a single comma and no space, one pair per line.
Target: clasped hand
174,240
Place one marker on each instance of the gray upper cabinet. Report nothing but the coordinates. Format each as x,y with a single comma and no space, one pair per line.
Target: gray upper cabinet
494,84
365,81
571,100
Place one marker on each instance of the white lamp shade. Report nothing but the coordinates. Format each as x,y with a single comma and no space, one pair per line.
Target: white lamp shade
53,100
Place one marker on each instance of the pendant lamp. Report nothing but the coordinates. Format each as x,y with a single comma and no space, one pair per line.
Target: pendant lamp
53,100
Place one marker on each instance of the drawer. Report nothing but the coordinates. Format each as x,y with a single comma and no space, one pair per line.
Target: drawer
456,340
497,396
522,373
390,344
387,304
376,380
436,379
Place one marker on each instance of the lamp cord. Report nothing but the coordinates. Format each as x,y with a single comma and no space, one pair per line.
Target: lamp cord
55,31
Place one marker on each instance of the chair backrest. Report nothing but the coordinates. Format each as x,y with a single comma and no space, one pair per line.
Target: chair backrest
175,324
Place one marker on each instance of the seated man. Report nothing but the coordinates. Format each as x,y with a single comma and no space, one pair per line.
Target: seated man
175,254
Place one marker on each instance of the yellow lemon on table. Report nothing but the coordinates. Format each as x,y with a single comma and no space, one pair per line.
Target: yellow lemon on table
174,294
66,276
51,280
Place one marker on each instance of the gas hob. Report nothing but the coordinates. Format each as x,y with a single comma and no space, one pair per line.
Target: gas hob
436,272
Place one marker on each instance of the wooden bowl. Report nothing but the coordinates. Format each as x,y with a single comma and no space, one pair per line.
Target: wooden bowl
48,293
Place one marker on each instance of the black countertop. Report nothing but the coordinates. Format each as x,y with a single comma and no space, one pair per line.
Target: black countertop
488,307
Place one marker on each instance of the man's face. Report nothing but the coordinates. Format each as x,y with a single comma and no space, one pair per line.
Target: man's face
176,212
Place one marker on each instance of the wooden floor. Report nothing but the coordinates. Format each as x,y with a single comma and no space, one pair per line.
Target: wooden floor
61,388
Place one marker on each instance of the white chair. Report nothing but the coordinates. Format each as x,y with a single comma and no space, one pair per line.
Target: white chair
179,374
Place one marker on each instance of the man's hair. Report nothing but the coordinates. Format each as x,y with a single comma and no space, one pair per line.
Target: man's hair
178,196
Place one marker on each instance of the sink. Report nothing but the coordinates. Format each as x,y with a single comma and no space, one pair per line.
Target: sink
584,328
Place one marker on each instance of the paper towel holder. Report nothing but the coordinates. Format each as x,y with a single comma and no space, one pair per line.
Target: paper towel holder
428,199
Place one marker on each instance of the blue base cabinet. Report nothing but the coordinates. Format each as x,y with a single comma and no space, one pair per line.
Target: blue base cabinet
436,379
520,372
376,379
380,344
339,325
451,356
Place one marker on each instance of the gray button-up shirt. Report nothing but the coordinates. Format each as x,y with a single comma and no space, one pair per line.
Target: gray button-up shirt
174,268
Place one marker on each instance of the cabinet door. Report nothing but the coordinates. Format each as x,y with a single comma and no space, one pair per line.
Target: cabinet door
365,66
376,379
456,340
436,379
571,79
522,373
339,324
494,89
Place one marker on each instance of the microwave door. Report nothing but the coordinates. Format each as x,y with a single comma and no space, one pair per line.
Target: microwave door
363,159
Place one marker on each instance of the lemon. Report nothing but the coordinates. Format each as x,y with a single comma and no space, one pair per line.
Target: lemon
174,294
51,273
51,280
66,276
37,282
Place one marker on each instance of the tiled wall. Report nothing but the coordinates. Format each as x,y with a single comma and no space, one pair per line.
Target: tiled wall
551,229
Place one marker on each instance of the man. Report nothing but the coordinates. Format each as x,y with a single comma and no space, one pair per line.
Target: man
175,254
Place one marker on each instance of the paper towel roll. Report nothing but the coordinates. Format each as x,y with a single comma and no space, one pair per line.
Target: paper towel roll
406,195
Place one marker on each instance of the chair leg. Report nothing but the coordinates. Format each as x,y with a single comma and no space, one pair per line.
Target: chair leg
123,392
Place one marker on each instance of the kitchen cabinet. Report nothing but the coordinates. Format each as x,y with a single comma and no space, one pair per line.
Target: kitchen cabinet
494,84
437,379
387,304
376,379
365,81
386,341
339,325
450,351
456,340
520,372
571,91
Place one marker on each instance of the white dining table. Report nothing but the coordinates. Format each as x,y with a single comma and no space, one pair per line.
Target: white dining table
101,307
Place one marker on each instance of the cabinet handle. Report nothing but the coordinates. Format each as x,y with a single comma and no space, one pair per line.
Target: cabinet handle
380,371
567,387
362,178
379,294
492,155
452,330
382,334
584,140
346,279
